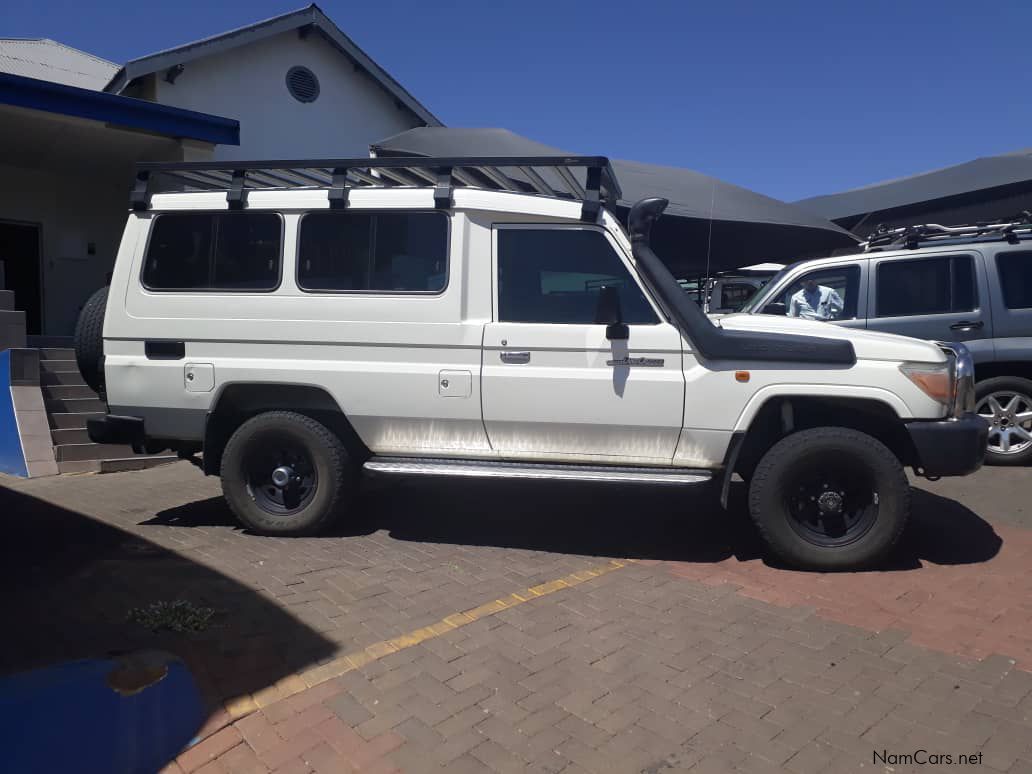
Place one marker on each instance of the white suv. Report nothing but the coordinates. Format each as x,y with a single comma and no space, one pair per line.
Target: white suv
300,322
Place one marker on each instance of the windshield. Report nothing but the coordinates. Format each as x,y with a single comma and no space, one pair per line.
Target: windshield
759,298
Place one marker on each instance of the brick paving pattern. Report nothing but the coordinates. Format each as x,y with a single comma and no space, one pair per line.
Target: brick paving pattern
697,656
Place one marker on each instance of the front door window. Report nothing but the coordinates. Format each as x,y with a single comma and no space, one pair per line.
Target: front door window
554,276
828,294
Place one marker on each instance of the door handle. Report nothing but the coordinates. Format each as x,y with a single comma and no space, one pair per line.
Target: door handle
515,357
968,325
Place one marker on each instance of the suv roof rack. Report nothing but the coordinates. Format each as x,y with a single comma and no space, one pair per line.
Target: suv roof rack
912,237
544,175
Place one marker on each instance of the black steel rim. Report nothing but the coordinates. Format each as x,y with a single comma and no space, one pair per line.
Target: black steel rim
831,500
281,476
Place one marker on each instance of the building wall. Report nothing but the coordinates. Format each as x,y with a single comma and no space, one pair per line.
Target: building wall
70,221
249,84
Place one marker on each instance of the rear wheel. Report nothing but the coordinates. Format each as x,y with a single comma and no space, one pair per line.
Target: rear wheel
1005,402
284,473
830,498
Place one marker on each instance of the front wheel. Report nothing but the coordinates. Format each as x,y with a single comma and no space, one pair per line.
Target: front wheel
830,498
283,473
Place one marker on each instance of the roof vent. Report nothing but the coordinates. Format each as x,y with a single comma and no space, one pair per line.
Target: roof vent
302,84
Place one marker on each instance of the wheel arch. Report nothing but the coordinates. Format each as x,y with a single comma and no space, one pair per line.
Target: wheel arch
236,402
827,392
1022,369
781,414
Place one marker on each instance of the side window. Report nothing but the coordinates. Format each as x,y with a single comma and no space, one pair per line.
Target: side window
1016,278
926,286
386,252
734,294
554,275
822,294
214,251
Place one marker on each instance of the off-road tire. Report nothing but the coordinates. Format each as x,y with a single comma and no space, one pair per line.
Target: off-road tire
335,474
1005,384
89,341
768,499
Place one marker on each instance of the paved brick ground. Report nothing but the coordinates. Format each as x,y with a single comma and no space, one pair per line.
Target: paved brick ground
698,656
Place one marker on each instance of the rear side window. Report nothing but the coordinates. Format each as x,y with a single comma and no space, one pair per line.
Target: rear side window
235,251
554,276
379,252
1016,278
926,286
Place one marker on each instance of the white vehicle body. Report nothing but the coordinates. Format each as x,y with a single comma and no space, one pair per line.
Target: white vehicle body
522,335
383,358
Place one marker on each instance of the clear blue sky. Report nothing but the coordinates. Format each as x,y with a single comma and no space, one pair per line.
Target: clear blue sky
788,98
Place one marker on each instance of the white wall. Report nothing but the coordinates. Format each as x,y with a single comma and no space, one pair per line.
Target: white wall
73,213
249,84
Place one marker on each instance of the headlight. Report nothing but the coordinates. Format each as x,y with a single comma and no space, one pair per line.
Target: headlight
935,380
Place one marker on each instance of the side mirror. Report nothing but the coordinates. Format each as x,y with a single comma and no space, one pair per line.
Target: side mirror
776,308
608,313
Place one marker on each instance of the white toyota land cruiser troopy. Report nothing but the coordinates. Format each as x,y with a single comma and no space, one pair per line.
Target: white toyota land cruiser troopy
300,321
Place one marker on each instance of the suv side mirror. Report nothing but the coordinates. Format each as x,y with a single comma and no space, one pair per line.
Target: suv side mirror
609,313
776,307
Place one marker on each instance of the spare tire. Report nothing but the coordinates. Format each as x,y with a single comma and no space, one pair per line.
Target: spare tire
89,341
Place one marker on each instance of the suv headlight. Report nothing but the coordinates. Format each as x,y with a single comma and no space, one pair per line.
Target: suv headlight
934,379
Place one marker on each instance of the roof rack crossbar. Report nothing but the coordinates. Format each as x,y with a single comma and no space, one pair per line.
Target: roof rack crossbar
401,177
576,190
212,181
464,177
370,180
536,180
517,174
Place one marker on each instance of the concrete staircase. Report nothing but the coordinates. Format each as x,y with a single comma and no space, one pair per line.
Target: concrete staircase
69,403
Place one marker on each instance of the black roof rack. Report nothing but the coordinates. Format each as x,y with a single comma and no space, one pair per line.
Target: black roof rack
593,184
912,237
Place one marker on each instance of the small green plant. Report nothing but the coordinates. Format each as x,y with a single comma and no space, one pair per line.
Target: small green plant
177,616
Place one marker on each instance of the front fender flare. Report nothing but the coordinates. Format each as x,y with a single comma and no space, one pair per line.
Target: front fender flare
831,391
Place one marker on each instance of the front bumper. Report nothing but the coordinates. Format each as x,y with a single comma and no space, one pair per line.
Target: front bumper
949,447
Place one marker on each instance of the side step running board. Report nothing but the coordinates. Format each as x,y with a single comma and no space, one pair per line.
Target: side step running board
425,466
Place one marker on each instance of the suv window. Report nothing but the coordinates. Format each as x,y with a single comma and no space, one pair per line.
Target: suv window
554,276
1016,278
385,252
926,286
844,281
214,251
734,294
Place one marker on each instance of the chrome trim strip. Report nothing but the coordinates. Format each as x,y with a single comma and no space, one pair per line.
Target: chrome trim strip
963,367
417,467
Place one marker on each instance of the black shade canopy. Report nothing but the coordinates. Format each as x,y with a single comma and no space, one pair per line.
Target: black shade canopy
988,187
709,223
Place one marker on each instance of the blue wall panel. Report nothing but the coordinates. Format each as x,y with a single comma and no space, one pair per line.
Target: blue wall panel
12,458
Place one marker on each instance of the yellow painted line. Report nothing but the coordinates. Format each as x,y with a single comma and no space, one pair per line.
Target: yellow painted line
288,686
